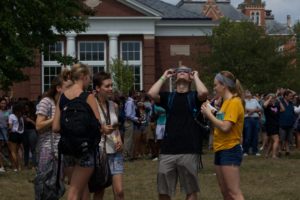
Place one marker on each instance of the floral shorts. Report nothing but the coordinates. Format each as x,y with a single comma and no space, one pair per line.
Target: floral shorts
87,160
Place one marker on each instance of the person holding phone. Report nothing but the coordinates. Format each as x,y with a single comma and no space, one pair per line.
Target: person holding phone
113,143
228,128
180,150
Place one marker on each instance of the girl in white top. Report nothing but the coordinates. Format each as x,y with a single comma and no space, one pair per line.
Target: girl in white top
113,143
16,129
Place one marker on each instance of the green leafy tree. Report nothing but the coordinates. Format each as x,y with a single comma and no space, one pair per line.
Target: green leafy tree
254,57
29,27
122,75
297,33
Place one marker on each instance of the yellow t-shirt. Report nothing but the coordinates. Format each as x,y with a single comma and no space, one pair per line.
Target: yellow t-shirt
232,110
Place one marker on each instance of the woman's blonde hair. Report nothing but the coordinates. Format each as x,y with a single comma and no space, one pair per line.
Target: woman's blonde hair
79,70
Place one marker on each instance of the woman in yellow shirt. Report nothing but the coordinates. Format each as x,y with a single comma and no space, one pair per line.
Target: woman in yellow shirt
228,123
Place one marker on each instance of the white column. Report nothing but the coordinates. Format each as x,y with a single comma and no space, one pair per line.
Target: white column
71,44
113,46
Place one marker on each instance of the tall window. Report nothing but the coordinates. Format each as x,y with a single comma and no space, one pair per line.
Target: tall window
92,53
255,17
131,53
51,67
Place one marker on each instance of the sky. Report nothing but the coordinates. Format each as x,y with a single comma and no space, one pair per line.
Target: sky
280,8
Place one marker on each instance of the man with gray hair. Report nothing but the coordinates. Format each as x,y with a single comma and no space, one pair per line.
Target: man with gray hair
181,146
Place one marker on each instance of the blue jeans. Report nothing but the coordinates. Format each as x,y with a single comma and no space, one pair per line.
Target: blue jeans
251,131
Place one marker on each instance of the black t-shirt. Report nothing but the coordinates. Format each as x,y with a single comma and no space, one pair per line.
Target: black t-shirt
182,133
272,115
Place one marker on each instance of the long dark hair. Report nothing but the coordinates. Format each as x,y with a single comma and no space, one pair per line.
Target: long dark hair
57,82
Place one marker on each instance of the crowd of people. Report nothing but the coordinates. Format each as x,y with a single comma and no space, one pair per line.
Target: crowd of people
152,125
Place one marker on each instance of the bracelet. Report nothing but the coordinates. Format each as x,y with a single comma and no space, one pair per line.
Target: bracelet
162,78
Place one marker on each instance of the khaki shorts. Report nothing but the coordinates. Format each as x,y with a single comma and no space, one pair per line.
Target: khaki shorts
182,166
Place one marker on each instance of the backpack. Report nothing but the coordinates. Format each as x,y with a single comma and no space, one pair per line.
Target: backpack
195,111
80,129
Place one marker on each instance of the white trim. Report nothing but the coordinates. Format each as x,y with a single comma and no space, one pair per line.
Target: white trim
120,26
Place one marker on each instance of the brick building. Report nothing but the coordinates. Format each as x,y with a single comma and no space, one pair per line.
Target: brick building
149,35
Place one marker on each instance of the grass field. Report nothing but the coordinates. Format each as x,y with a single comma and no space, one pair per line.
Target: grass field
261,179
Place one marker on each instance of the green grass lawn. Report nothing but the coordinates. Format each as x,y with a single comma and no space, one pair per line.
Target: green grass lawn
261,179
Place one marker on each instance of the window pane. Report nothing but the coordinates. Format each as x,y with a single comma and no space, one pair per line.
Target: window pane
82,56
130,56
101,46
101,56
88,56
130,46
52,70
124,46
95,56
95,47
46,70
82,46
88,47
124,56
137,56
137,46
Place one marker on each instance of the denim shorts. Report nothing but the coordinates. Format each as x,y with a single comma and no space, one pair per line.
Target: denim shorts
3,134
116,163
233,156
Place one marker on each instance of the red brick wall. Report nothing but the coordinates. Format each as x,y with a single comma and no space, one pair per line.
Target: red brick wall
148,62
164,60
33,87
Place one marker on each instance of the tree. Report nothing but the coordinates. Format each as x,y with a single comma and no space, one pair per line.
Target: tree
297,33
29,27
254,57
122,75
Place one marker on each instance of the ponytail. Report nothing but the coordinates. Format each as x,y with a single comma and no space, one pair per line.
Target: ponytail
235,88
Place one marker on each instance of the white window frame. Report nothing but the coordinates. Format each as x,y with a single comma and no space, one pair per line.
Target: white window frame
134,62
93,63
51,63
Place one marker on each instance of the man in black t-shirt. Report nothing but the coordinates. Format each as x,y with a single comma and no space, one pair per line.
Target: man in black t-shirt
181,147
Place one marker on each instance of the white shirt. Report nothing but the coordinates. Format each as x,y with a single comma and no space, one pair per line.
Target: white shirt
17,124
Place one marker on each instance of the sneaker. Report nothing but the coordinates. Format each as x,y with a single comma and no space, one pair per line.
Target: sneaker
2,169
245,154
155,159
257,154
261,148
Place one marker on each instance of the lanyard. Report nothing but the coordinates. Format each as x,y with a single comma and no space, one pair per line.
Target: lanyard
107,114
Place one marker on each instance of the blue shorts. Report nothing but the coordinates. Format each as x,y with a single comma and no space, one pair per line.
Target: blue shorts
233,156
116,163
